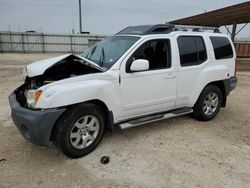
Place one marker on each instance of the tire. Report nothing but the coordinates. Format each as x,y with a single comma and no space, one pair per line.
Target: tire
206,107
80,130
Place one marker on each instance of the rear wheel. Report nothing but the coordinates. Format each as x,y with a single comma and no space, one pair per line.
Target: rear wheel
208,104
80,130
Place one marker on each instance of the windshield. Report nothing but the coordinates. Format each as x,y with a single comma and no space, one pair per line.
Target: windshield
108,51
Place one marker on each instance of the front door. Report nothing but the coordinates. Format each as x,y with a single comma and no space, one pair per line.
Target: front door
153,90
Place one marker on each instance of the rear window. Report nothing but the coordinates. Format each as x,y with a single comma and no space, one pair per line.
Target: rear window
222,47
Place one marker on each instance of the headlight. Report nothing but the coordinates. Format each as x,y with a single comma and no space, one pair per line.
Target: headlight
32,97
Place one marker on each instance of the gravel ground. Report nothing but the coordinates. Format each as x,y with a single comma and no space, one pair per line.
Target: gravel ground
180,152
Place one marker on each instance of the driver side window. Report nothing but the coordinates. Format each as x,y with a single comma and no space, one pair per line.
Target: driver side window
157,52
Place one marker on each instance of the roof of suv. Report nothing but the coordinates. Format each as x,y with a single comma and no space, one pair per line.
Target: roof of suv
162,29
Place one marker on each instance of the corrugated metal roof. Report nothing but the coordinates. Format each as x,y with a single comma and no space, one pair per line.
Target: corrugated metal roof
239,13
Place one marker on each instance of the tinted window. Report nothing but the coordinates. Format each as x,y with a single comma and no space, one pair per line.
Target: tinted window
157,52
222,47
202,54
192,50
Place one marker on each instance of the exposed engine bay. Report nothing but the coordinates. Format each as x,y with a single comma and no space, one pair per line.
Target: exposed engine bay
69,67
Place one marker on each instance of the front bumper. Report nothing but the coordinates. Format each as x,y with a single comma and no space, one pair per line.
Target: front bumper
35,126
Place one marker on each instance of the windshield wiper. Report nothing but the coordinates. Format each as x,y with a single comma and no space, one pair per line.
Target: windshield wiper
92,52
102,57
91,63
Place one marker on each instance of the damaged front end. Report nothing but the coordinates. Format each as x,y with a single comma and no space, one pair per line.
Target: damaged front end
51,70
34,125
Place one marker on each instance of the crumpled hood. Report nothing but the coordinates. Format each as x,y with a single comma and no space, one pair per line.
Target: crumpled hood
39,67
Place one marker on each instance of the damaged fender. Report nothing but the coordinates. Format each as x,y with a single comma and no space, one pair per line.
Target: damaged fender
67,93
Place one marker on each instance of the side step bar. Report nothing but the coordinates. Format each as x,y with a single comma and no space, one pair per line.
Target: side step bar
154,118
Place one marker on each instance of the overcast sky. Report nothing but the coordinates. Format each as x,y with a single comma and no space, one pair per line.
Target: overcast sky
99,16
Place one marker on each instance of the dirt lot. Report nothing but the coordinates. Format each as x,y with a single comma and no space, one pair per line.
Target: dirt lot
243,64
180,152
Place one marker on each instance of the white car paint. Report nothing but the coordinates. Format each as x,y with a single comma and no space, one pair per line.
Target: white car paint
192,79
130,95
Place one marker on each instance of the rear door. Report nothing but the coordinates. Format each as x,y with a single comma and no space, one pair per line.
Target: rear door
193,59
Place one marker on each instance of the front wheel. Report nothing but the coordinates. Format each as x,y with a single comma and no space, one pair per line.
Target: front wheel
80,130
208,104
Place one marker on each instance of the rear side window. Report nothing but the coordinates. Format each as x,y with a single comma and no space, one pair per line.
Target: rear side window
222,47
192,50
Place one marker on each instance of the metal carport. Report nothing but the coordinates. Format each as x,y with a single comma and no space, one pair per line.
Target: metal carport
231,15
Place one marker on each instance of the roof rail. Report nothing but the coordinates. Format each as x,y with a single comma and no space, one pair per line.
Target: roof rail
196,28
162,29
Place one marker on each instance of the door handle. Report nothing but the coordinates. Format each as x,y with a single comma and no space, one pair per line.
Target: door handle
170,76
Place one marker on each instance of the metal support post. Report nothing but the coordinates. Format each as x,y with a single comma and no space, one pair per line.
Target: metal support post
234,31
80,16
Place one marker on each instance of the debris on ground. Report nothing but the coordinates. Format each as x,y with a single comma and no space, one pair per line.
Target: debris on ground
105,159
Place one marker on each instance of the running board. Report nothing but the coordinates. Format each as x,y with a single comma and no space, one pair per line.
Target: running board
154,118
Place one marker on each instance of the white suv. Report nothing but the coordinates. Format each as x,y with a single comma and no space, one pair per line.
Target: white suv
140,75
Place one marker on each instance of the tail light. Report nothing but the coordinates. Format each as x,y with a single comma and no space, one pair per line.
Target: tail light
235,68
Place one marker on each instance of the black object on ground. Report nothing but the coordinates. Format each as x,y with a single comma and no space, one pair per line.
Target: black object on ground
105,160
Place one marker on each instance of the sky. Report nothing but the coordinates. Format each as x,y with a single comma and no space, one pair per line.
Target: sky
100,16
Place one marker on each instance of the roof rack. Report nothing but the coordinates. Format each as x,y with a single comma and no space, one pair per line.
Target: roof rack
196,28
163,29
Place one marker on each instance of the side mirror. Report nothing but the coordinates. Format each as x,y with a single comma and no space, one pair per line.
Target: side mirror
139,65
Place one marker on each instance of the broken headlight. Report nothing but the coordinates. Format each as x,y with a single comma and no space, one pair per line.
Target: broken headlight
32,97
